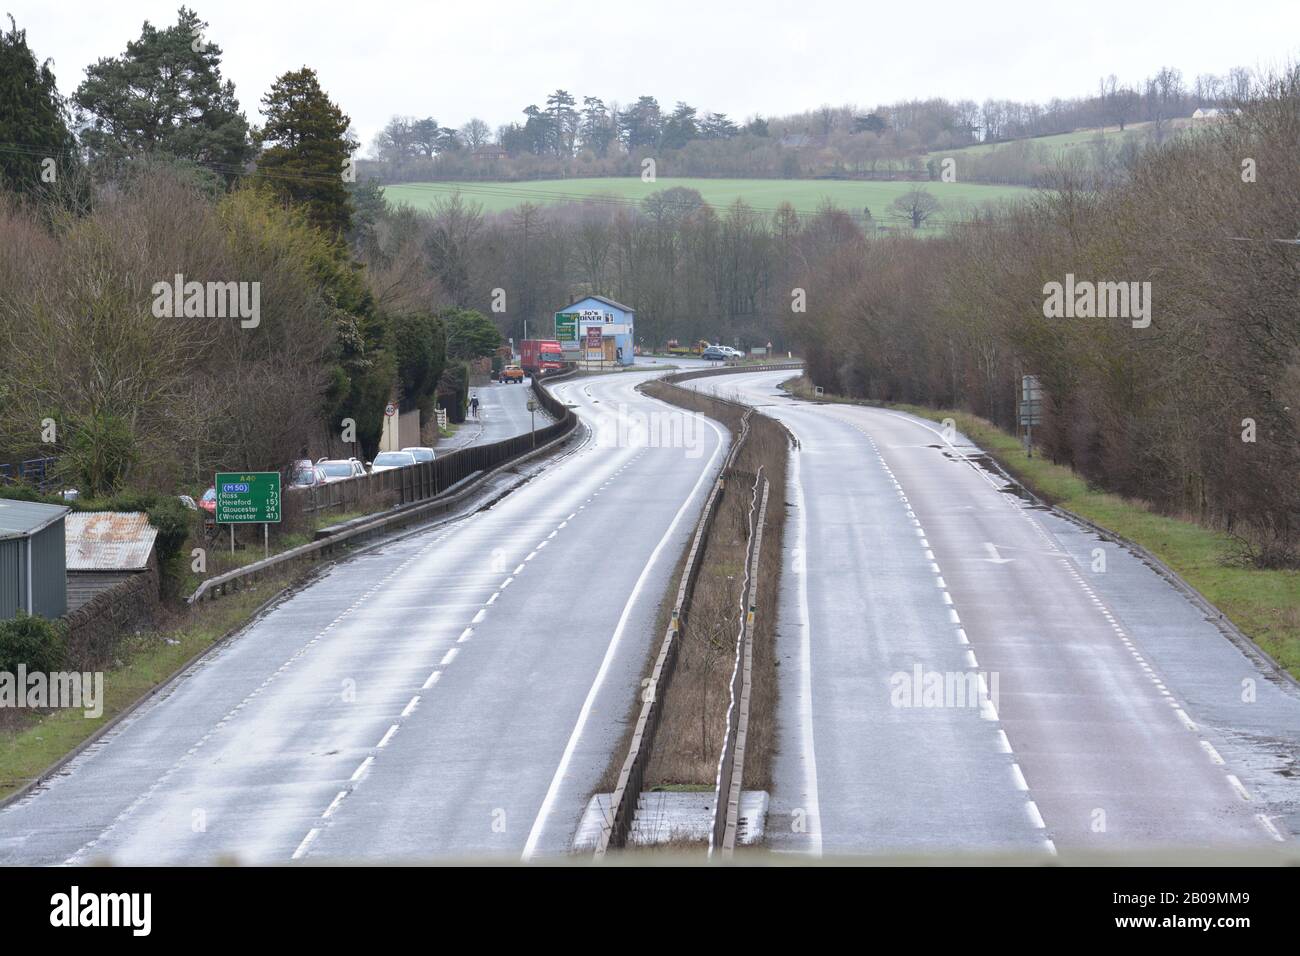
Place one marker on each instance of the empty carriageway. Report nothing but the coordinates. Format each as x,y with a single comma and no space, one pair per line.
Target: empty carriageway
1110,715
453,692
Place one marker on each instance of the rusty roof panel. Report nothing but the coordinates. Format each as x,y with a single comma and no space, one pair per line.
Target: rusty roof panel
108,540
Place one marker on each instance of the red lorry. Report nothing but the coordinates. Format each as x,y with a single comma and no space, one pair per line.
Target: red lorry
540,356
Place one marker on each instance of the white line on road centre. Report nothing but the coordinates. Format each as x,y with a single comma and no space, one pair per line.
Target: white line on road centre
808,754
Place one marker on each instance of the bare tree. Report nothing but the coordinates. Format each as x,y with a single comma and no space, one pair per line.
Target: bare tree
917,205
475,133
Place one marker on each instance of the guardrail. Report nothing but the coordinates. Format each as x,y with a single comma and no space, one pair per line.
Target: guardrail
732,370
425,489
428,479
731,759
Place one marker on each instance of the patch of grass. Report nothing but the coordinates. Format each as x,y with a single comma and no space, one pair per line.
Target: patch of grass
1061,143
1263,603
764,195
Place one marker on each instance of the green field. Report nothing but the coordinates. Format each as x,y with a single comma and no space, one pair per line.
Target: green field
1062,142
764,195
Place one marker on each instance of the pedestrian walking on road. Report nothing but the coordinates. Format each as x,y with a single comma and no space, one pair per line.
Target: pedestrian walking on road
473,405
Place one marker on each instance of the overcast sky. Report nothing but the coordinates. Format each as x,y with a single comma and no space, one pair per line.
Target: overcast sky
490,58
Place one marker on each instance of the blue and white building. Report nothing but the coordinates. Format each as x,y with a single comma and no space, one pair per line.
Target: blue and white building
615,320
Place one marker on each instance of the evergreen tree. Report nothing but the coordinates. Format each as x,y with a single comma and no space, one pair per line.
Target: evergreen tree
33,121
306,148
597,130
165,95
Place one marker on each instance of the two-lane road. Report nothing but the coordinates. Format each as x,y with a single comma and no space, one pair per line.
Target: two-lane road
1108,712
503,413
456,692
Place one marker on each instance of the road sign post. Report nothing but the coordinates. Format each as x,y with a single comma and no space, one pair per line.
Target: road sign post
249,497
1030,409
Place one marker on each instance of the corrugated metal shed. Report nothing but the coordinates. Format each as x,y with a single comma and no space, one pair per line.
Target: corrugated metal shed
32,575
109,540
18,519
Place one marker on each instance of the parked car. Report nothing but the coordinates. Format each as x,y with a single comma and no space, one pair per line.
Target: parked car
388,460
512,373
307,475
732,353
421,454
340,469
714,353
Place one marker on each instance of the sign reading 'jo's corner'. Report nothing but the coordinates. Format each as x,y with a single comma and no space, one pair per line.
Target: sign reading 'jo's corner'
250,497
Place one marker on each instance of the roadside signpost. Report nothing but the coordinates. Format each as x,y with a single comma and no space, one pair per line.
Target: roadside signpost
1030,408
566,327
248,497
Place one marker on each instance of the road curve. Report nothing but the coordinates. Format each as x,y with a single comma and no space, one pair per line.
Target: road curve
455,692
1120,716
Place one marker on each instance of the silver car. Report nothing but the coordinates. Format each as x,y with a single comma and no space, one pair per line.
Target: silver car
421,454
340,469
388,460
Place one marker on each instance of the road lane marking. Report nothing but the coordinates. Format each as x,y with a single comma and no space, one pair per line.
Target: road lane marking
808,750
306,842
334,804
1034,816
1239,787
1269,827
449,656
365,765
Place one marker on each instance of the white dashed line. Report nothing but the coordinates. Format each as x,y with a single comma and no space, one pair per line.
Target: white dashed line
306,842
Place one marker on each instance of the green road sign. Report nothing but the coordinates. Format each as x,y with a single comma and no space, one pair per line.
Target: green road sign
249,497
566,326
